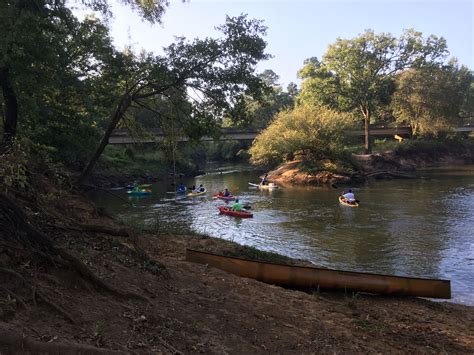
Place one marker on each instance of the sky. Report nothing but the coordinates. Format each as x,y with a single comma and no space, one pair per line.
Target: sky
300,29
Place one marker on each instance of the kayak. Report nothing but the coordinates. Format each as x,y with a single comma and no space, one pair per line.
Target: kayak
270,186
139,192
231,212
178,192
225,198
195,194
141,186
343,201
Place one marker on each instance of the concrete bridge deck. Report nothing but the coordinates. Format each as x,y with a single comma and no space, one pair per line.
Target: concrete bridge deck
122,136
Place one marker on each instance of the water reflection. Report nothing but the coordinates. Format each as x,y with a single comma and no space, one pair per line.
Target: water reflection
422,227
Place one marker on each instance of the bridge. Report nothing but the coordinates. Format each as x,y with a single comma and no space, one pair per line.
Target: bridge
122,135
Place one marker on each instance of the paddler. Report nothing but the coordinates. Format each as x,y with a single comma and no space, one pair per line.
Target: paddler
237,206
349,196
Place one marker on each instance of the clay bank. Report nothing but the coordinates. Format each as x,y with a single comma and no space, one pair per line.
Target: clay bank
381,165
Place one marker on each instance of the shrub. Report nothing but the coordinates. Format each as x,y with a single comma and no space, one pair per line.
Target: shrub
303,131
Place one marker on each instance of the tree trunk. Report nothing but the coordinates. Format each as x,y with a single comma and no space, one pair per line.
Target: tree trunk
11,106
367,145
122,107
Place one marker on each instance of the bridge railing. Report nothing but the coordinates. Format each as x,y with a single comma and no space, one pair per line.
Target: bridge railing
123,136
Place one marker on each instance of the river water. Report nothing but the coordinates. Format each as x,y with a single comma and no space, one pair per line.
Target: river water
418,227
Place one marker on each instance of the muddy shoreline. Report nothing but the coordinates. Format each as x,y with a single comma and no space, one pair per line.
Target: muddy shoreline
383,165
156,302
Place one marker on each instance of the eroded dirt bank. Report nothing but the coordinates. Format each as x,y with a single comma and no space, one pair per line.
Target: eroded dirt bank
383,165
151,300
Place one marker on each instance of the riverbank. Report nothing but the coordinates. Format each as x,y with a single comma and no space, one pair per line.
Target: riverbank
398,163
147,298
120,166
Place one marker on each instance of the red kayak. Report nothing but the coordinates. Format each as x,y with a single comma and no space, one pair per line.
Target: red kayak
231,212
225,198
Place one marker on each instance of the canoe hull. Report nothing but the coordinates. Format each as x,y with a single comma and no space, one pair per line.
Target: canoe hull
310,278
230,212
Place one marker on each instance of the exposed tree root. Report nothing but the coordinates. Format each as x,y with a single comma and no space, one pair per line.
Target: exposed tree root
11,342
56,307
35,294
86,274
121,232
169,347
391,173
15,296
16,229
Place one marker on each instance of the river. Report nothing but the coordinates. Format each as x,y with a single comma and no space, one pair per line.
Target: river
418,227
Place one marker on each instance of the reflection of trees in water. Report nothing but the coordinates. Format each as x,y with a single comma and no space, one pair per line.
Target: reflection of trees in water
416,236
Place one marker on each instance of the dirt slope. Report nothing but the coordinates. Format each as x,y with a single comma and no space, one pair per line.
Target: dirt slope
156,302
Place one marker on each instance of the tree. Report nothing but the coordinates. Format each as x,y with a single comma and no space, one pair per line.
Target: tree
358,74
37,36
315,132
212,74
261,111
431,99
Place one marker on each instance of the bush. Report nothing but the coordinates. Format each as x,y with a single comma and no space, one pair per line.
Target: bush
434,147
314,132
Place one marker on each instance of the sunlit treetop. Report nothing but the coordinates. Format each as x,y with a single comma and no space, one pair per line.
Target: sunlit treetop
150,10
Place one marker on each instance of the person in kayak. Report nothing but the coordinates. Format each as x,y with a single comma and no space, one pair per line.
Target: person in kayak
237,206
264,180
200,188
349,196
226,192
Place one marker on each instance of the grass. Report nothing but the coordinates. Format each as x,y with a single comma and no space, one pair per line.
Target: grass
372,326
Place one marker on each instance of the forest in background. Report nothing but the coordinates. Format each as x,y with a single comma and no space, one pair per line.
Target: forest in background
65,87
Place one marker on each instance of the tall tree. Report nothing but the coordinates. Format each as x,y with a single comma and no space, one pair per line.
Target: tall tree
212,74
37,36
357,74
260,112
431,99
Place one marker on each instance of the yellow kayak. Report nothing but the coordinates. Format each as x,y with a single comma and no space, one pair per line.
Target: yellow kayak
343,201
270,186
195,194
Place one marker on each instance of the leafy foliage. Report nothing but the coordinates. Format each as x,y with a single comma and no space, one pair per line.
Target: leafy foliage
310,132
357,74
431,99
208,77
262,111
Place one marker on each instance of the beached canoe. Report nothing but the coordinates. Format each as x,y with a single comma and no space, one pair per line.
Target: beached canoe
343,201
231,212
224,198
310,278
270,186
196,194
